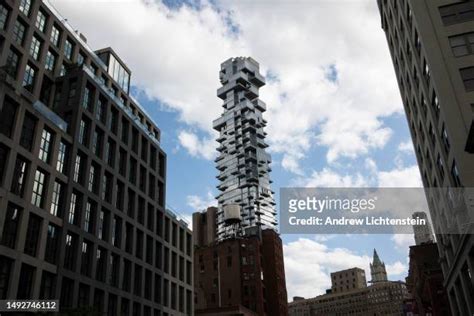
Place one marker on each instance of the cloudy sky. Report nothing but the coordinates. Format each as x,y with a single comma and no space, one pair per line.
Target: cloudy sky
334,115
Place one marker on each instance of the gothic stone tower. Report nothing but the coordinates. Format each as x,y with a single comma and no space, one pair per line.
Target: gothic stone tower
377,269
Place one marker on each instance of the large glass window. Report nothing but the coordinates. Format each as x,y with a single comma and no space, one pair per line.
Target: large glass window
28,131
50,61
71,218
57,199
25,6
89,217
19,32
10,228
462,44
3,17
35,48
32,235
5,272
55,35
62,157
68,48
45,145
118,72
19,176
70,253
40,21
92,178
13,60
38,189
29,78
77,169
7,117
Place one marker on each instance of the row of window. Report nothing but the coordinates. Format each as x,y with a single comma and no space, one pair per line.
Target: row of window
146,248
423,106
157,289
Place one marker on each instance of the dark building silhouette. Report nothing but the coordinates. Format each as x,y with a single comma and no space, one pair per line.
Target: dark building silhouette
82,177
425,281
431,44
239,276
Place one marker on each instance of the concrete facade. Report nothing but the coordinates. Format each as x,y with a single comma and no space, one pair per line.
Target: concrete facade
423,233
430,44
82,177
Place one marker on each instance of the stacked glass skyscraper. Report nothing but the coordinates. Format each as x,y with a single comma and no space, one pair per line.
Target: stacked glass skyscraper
243,164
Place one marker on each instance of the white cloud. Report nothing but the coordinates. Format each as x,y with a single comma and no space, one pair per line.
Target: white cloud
401,177
330,178
403,241
304,255
175,57
406,146
396,269
203,148
199,203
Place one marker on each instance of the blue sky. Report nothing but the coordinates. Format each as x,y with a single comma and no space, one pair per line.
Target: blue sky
335,117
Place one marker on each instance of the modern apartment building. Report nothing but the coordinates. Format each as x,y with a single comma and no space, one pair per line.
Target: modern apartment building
82,177
431,43
243,163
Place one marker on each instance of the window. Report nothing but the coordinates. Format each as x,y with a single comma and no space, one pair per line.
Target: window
70,253
10,228
26,282
3,17
5,272
19,32
97,142
48,286
86,258
101,256
63,70
127,275
28,131
4,151
88,99
52,244
445,137
32,235
89,219
125,127
25,6
455,175
101,110
62,157
7,117
55,34
102,227
137,289
40,21
77,169
107,188
457,13
45,145
29,78
83,132
68,48
73,206
81,59
13,60
114,275
57,199
35,47
110,153
38,189
462,45
467,75
50,61
439,163
19,176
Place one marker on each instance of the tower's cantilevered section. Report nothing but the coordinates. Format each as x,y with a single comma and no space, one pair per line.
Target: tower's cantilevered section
243,163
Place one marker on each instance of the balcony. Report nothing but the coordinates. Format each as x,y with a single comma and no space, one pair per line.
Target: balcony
50,115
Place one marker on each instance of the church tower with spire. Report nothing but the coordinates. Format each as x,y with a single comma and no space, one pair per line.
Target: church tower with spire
377,269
